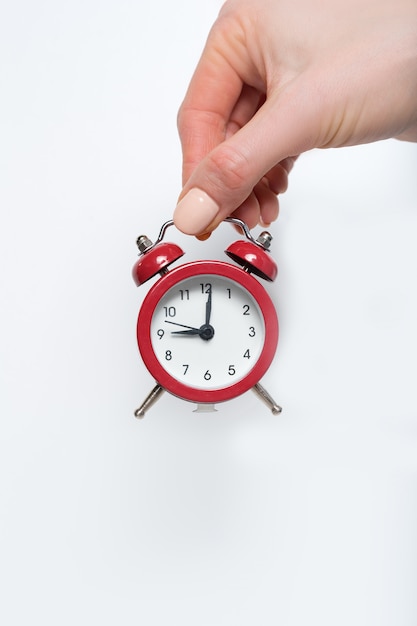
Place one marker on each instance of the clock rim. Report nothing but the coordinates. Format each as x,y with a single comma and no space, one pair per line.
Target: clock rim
190,270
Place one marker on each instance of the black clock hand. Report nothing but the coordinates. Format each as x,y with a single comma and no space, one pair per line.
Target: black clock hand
208,308
205,331
197,330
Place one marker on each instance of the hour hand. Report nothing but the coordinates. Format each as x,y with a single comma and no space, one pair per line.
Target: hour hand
190,331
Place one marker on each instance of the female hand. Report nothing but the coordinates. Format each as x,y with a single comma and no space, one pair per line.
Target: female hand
279,77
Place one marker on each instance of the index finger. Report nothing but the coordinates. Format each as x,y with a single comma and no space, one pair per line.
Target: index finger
208,104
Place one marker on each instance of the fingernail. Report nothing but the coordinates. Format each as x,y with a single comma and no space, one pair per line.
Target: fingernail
195,212
203,236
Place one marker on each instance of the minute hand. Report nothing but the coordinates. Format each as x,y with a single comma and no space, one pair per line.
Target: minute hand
208,308
191,329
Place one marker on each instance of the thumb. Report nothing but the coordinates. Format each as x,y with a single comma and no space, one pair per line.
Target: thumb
227,175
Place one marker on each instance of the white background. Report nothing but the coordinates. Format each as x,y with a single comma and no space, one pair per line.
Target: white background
227,519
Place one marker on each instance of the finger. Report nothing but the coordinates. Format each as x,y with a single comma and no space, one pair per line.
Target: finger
225,178
268,204
261,207
249,102
249,211
266,191
277,177
214,90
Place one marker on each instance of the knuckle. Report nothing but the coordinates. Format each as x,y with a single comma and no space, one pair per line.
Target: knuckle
230,168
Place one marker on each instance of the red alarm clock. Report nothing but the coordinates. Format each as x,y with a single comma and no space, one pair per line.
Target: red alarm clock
207,330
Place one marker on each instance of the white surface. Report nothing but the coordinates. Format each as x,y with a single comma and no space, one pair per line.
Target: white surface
221,519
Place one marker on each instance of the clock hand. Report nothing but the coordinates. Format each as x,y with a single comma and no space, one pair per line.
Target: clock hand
205,331
183,326
191,331
208,308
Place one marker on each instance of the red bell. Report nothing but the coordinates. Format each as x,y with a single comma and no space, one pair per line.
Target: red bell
254,258
155,260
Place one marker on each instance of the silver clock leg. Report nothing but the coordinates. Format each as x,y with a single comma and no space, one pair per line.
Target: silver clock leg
149,401
265,397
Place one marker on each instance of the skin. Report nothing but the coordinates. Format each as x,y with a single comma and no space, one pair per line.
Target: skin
280,77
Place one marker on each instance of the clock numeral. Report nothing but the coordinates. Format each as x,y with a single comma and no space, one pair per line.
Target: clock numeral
185,369
168,355
170,311
160,333
247,354
232,370
252,332
246,309
184,294
205,287
207,375
229,291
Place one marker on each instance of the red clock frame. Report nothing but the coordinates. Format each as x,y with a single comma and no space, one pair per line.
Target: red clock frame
189,270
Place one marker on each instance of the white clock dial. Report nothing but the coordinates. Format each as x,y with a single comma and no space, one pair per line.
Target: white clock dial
207,332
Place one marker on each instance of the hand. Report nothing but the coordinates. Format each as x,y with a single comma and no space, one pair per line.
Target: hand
191,330
280,77
208,308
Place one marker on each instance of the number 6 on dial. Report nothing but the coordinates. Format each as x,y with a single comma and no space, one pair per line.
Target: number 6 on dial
207,331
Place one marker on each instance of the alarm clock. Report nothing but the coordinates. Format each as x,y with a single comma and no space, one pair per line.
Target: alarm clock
207,330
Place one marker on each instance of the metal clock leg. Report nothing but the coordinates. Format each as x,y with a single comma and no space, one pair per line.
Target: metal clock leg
262,393
149,401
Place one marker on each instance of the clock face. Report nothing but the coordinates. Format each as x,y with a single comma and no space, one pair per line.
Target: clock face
207,331
206,335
